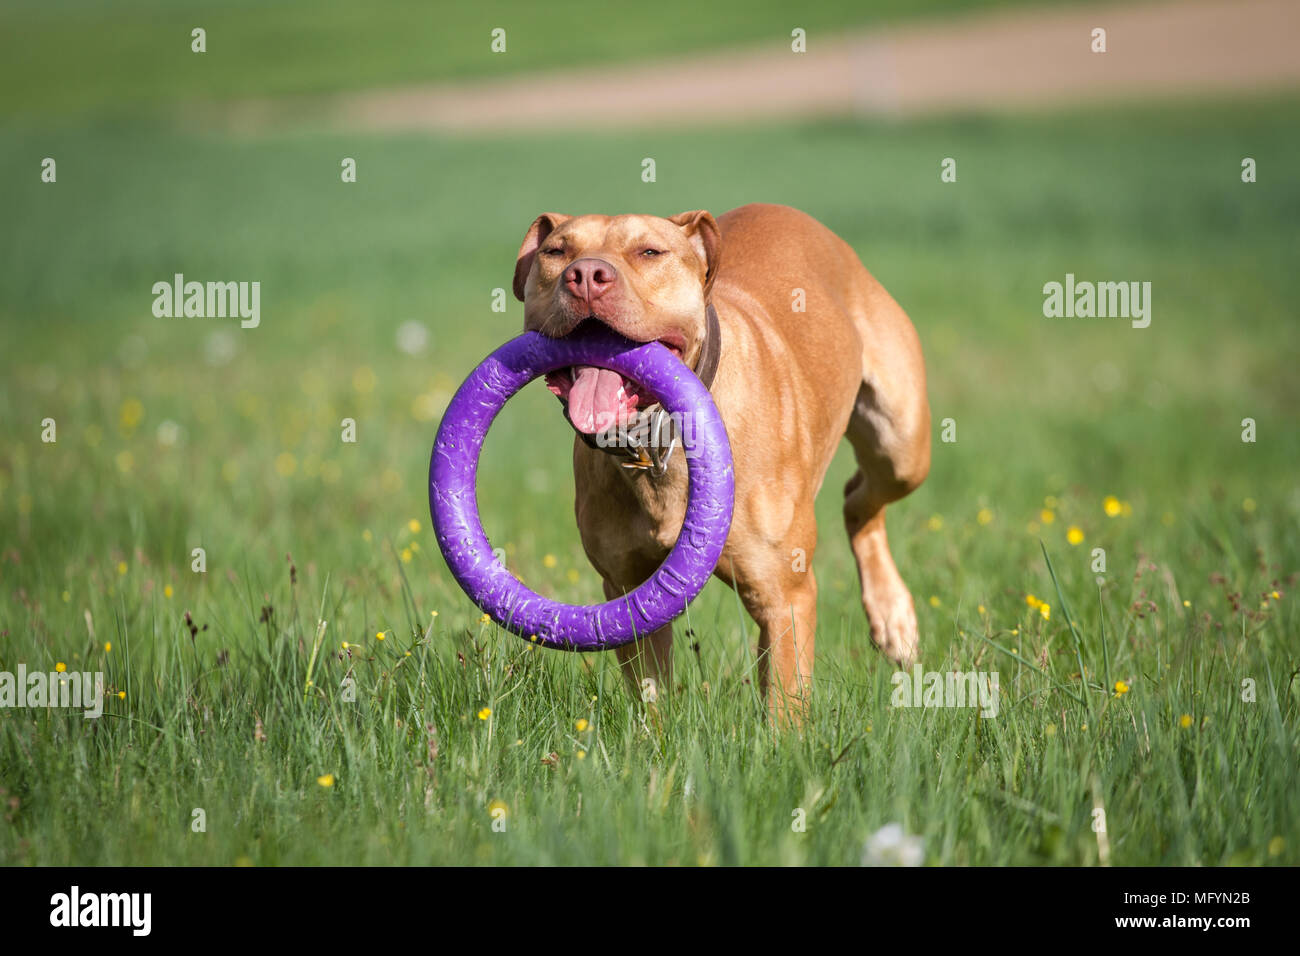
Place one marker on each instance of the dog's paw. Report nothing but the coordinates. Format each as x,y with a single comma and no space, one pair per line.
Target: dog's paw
894,631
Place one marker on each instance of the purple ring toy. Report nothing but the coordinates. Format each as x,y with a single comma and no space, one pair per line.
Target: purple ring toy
453,500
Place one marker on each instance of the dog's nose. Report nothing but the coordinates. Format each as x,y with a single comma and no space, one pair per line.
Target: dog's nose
589,279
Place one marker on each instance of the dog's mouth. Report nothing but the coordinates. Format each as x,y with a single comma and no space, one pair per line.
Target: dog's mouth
599,398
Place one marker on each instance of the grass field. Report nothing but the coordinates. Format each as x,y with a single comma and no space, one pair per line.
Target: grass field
174,434
138,51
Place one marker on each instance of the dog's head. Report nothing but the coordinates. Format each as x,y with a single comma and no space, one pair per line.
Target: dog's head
645,277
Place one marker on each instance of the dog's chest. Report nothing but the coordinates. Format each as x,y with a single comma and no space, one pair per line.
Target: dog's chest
662,501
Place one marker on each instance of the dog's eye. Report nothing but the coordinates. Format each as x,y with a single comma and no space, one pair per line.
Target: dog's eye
652,252
553,251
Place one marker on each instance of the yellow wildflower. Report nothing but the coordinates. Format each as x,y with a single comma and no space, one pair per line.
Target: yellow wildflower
130,414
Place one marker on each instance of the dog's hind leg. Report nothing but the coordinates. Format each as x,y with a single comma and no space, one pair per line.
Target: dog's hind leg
890,435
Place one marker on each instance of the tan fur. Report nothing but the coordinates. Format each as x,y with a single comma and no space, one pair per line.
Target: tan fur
789,386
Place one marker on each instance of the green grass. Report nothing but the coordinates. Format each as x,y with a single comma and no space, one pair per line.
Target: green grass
97,529
72,57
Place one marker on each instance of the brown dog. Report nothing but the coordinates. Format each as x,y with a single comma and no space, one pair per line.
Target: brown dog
789,383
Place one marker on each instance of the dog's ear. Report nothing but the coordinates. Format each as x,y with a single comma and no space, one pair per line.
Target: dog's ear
702,229
542,227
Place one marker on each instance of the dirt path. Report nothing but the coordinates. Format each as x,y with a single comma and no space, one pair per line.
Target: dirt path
1010,60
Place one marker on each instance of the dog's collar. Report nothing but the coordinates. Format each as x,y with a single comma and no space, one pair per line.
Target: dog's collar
648,452
706,366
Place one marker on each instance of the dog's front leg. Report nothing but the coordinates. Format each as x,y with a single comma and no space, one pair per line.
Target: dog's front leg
787,624
647,664
782,600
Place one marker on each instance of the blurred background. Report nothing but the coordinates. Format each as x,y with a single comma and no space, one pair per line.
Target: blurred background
376,296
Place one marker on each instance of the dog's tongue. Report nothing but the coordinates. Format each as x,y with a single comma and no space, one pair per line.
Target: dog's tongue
595,399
